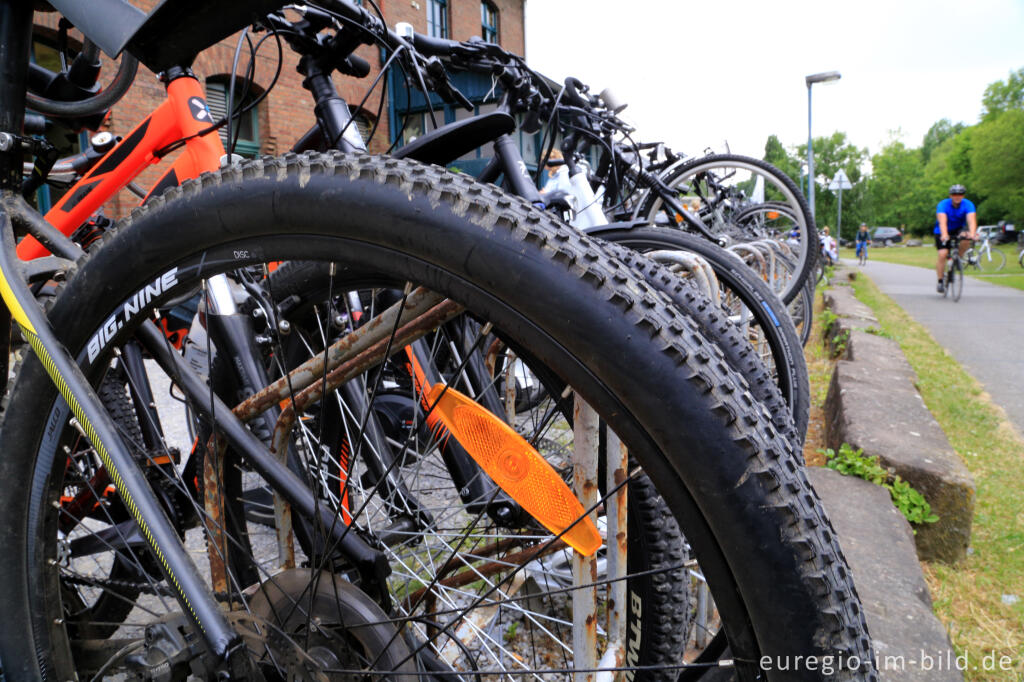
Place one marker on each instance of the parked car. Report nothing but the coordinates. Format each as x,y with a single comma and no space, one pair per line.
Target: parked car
993,232
886,236
1003,232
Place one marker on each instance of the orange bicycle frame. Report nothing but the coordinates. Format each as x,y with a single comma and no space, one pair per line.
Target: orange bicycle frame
180,117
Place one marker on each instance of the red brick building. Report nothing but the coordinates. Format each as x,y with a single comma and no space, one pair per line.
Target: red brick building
287,112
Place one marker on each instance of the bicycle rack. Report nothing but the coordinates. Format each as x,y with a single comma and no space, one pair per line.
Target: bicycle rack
586,427
700,271
585,570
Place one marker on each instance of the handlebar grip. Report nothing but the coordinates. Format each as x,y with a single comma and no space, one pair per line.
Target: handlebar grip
356,66
435,47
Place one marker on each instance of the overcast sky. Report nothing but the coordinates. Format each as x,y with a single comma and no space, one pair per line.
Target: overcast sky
698,73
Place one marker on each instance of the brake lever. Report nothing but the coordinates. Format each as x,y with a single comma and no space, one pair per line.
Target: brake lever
442,85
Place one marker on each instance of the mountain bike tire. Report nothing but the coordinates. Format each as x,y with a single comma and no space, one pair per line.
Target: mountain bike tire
766,547
777,361
727,224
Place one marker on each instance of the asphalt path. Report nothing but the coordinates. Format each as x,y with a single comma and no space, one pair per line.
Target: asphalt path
984,331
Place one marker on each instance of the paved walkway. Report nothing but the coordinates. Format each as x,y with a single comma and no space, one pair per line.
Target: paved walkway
984,331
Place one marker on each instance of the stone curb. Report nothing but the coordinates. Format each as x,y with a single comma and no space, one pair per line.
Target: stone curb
909,641
873,405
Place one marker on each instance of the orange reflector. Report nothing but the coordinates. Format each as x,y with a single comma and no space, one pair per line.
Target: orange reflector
679,218
516,467
772,215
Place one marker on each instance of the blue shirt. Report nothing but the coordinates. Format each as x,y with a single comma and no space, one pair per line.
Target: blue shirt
956,216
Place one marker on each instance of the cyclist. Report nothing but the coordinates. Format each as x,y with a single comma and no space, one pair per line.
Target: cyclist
863,239
951,215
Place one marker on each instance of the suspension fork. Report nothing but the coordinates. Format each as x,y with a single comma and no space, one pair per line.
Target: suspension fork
332,114
232,334
142,398
476,489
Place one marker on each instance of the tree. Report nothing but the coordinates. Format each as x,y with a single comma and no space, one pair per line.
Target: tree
936,135
830,154
950,163
776,154
997,162
785,161
1003,96
897,191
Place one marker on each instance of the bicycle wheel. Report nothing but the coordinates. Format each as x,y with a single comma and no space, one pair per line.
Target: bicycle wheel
567,307
750,305
322,306
992,260
956,280
721,190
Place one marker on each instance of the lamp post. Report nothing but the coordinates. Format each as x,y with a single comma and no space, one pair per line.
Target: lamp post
823,77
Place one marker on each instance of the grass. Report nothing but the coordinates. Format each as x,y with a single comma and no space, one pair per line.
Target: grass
819,368
969,598
924,257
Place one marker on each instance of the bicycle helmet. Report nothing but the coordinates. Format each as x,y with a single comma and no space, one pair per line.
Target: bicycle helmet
958,189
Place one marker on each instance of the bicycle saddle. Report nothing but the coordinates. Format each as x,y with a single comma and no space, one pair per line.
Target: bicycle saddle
171,35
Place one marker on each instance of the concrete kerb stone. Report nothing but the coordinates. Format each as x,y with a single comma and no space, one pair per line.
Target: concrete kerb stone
879,546
880,412
851,315
873,405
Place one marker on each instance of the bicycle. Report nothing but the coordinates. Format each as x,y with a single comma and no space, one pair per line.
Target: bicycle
953,280
745,299
249,616
223,326
984,257
863,258
302,39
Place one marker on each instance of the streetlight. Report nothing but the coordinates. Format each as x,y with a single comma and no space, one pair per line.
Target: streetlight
823,77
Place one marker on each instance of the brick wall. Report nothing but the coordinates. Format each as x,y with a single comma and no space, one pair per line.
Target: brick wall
287,112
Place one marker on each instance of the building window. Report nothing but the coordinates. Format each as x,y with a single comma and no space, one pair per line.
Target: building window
245,129
437,18
489,22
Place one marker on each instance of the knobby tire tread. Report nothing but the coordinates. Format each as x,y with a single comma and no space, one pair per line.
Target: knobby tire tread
770,468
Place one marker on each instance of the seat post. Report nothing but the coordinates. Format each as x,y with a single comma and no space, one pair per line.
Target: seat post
15,41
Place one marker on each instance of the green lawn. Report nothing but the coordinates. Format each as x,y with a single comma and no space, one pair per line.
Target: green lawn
924,257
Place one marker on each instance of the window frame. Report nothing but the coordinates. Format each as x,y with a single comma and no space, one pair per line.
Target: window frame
248,147
490,33
439,27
